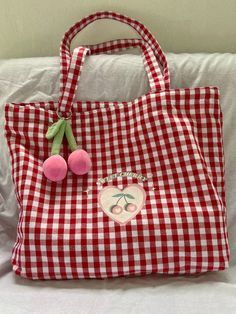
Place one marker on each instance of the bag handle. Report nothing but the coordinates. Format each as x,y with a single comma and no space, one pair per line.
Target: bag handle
151,65
136,25
73,74
154,74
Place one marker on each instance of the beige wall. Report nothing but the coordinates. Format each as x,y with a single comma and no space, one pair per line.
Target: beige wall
34,27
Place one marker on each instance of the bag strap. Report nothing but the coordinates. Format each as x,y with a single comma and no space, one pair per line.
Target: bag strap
66,99
136,25
154,74
151,65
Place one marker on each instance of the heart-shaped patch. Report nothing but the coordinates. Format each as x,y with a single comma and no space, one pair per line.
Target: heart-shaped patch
122,205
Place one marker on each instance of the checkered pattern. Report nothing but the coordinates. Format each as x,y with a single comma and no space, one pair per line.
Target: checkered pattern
136,25
156,80
171,136
154,73
71,83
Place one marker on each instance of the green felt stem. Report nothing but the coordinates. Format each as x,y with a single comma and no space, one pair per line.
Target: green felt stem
56,145
53,129
70,137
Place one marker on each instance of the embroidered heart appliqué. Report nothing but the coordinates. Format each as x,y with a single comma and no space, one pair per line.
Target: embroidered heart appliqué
122,205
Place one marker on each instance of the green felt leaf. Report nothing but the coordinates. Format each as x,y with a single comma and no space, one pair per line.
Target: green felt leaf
53,129
118,195
129,196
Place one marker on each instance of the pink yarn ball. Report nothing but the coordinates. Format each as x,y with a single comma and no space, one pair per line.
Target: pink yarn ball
79,162
55,168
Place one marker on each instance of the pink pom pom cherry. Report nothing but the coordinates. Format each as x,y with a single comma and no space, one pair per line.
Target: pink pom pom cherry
79,162
55,168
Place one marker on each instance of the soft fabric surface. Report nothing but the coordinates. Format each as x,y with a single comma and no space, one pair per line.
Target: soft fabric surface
120,77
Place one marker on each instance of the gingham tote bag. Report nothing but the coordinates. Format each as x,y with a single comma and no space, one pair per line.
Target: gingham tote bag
150,196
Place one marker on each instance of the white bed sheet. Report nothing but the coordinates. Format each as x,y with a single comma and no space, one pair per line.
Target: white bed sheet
120,77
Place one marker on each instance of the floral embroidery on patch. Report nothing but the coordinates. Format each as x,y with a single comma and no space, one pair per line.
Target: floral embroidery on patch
122,205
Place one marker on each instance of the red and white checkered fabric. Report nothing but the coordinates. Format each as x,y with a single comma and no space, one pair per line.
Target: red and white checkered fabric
172,137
